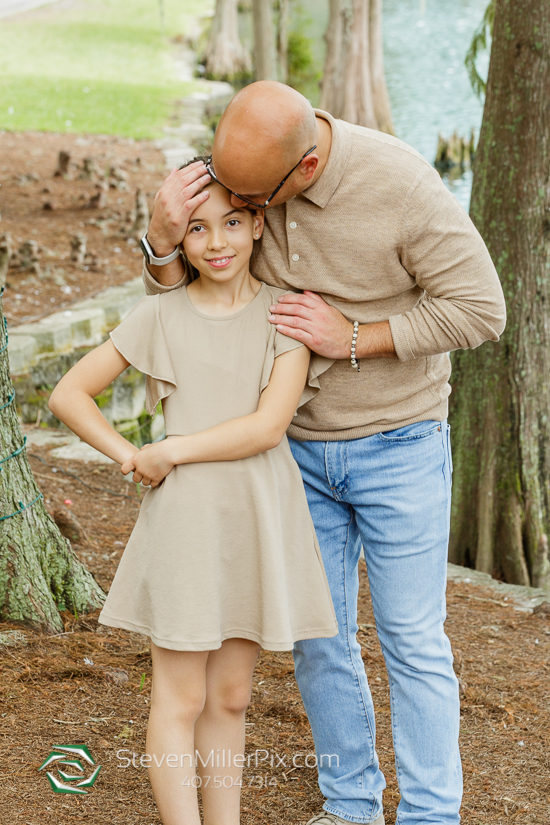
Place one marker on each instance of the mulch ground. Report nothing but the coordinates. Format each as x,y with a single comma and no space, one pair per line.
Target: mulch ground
52,694
49,210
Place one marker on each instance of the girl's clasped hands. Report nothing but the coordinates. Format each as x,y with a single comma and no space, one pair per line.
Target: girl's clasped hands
151,464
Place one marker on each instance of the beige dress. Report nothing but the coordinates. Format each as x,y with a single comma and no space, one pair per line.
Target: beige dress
220,549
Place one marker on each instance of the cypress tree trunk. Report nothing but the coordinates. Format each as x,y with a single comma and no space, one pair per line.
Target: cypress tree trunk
264,40
337,38
226,58
501,398
380,98
282,39
354,86
39,572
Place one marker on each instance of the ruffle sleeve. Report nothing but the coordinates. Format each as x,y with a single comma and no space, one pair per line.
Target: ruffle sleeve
140,339
279,344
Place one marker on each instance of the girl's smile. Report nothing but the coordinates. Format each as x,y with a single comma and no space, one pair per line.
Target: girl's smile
220,262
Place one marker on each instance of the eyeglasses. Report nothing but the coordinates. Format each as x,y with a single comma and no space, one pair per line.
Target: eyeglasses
210,170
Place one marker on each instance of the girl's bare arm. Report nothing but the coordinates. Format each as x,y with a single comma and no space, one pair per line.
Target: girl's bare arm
238,438
72,401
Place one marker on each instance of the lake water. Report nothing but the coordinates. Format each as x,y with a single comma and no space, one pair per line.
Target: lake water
425,43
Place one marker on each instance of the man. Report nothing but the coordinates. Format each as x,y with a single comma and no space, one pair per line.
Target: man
365,226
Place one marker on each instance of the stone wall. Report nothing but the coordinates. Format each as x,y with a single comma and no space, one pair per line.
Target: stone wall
41,353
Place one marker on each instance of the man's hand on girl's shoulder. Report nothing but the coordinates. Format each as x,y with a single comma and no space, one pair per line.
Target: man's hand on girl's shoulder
151,464
308,318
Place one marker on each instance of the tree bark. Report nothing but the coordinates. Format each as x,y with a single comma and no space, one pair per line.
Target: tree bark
264,40
226,58
380,97
500,405
39,571
332,81
282,39
354,86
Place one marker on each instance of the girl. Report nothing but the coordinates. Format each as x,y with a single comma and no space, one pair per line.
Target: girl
223,559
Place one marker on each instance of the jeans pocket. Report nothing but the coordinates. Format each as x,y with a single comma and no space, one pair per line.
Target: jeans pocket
412,432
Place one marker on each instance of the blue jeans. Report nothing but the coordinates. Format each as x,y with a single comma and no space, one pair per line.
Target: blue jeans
390,493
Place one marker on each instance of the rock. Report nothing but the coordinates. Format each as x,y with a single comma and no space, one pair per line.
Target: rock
26,180
78,248
542,610
23,352
49,206
63,162
68,525
81,452
117,676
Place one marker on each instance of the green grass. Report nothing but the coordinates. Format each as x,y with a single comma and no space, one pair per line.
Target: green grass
100,66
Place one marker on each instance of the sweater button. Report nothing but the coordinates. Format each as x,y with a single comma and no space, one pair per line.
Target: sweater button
295,257
293,224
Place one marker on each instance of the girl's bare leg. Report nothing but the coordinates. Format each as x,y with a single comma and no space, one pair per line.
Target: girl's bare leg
177,700
220,728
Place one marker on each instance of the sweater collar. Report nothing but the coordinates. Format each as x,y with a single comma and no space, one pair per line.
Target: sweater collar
325,186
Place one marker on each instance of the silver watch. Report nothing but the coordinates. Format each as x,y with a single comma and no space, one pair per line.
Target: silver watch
150,256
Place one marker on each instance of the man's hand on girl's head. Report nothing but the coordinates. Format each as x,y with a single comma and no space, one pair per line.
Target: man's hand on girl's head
177,198
151,464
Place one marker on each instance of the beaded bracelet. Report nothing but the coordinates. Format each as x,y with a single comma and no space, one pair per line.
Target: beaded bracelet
354,362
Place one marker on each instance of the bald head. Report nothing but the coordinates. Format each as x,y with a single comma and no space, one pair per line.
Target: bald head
262,134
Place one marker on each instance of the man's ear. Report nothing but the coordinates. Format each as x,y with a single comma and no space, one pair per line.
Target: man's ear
259,218
308,167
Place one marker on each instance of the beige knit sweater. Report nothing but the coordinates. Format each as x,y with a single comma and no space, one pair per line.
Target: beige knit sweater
380,237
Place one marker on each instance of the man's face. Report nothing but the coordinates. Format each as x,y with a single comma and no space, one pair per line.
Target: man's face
256,182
